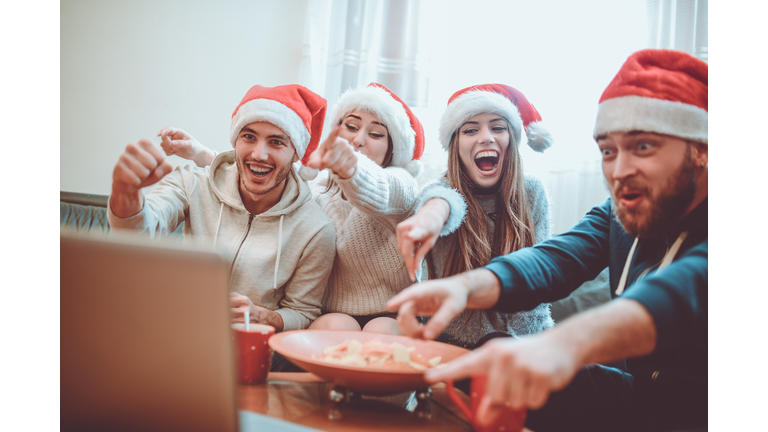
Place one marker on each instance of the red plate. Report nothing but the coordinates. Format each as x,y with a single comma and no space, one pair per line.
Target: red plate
298,346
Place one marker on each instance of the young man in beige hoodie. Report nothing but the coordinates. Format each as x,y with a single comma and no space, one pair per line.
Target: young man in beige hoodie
249,204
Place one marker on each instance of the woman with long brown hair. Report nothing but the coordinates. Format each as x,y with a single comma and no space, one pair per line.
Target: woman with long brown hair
505,210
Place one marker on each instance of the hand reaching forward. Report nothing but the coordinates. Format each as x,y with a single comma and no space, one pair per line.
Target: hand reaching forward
522,373
177,142
261,315
141,165
417,235
336,154
443,300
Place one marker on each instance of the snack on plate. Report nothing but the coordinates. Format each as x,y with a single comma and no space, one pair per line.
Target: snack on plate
376,354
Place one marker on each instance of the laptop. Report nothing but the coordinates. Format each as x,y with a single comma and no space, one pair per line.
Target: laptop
146,342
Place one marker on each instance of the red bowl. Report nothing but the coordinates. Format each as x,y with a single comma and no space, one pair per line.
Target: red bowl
298,346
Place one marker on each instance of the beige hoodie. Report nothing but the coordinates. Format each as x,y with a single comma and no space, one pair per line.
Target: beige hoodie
280,259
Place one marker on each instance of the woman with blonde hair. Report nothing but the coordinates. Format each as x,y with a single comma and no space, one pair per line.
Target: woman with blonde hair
505,210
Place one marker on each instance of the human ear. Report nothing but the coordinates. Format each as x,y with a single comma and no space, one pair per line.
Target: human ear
701,155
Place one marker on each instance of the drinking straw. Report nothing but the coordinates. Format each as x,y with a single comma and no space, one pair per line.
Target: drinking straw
247,321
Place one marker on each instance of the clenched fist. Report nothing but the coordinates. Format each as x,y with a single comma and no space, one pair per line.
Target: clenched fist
141,165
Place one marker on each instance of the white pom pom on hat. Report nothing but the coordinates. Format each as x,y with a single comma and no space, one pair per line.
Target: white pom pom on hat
500,99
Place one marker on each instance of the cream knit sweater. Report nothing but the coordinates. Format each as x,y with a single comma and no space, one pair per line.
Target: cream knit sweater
368,269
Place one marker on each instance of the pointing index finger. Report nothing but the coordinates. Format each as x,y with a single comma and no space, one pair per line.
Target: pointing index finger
316,158
330,139
395,302
470,364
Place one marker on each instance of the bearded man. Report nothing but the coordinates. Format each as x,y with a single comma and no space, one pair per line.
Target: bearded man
249,204
652,233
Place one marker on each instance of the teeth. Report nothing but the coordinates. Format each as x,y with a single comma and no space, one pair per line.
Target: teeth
486,153
259,170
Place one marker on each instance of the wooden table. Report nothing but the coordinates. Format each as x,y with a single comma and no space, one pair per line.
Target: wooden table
303,399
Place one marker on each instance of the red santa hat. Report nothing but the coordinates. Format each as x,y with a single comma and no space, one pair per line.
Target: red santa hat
402,125
296,110
662,91
500,99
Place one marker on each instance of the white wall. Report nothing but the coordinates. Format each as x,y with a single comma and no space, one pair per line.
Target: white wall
129,69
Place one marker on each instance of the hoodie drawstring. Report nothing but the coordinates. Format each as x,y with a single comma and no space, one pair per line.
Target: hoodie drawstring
668,257
279,248
218,224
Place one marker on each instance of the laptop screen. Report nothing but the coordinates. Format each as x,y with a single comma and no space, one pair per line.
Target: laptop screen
146,342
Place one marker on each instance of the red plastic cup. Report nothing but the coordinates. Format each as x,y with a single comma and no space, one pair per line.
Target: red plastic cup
253,357
508,421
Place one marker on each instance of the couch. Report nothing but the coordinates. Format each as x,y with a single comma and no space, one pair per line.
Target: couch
87,213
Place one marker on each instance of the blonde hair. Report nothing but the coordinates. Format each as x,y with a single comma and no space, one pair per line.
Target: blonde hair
471,245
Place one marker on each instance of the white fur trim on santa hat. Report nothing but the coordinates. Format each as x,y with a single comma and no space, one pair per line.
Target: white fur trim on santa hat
473,103
270,111
389,111
628,113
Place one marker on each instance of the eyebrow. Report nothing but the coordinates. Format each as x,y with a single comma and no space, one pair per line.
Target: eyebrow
374,122
249,130
474,122
630,133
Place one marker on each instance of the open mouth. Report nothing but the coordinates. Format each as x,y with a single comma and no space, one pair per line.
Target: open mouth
631,199
487,161
630,196
260,171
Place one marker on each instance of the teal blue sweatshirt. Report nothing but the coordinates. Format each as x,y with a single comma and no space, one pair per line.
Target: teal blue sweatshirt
676,296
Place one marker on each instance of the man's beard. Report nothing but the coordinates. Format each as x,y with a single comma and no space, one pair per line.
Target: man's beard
665,210
280,175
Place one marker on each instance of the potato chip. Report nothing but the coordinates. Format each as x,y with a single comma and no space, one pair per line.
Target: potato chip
376,354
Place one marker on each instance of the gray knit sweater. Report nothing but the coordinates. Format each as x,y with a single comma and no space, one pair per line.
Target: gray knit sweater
470,326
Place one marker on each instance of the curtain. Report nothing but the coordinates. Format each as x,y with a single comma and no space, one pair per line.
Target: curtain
351,43
680,25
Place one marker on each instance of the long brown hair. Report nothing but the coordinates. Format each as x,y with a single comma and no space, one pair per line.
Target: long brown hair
472,245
